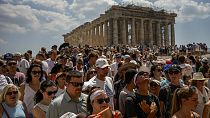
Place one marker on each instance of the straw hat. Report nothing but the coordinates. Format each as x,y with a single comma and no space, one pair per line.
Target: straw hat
198,76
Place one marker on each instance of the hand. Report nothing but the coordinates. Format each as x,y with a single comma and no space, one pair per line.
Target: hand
144,106
153,107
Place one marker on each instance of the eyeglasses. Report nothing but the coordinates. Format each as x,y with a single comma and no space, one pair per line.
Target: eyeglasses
35,72
173,72
10,64
153,85
76,84
100,101
13,92
51,92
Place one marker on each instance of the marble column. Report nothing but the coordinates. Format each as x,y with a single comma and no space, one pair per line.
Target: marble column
101,37
115,31
133,33
124,32
97,39
150,33
142,31
166,34
172,35
158,34
110,29
105,32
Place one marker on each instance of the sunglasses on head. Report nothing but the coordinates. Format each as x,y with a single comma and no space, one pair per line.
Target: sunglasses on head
10,64
13,92
51,92
102,100
173,72
76,84
36,72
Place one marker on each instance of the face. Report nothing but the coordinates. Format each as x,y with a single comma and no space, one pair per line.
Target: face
61,80
174,76
142,81
11,96
200,83
36,73
74,87
100,103
12,65
158,71
49,93
103,71
192,102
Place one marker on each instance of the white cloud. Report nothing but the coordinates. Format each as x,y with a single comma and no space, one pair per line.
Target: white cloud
11,28
59,5
2,41
91,9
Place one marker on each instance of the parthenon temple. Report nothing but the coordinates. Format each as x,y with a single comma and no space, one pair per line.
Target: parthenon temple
126,25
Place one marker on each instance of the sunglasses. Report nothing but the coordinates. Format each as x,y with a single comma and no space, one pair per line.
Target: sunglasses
173,72
76,84
13,92
51,92
106,100
35,72
10,64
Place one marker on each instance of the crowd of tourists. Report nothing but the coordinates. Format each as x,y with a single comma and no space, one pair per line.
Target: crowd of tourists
104,82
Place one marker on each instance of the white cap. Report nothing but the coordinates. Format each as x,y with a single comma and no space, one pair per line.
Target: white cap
101,63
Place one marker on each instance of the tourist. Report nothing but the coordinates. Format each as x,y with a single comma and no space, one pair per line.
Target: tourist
31,86
154,87
184,103
142,104
98,105
43,98
72,100
60,83
198,81
10,106
127,90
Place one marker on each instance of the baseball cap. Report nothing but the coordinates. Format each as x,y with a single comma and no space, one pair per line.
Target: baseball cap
174,67
101,63
204,60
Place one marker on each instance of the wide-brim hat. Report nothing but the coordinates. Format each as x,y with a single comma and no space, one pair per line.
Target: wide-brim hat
198,76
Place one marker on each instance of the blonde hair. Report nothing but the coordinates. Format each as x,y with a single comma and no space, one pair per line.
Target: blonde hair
5,90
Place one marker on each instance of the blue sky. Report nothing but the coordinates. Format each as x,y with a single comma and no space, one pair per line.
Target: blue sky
32,24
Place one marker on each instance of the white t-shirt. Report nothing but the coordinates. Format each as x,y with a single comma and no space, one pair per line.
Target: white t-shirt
23,65
106,85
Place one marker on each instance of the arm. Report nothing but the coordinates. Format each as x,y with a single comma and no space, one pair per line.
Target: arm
21,89
206,110
38,113
1,111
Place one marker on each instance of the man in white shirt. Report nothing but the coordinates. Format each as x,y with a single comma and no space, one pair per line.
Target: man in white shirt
102,80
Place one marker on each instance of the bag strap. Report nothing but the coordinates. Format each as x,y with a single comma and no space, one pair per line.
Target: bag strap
5,110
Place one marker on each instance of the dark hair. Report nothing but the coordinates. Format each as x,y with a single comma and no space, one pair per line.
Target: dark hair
153,69
129,75
28,74
92,54
56,68
73,73
44,85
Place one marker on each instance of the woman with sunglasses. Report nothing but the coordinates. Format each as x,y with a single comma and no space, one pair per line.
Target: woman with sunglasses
31,86
10,106
98,105
156,73
184,103
43,98
60,82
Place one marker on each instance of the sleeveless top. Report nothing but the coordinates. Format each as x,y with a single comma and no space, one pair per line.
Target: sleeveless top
29,97
42,107
14,112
